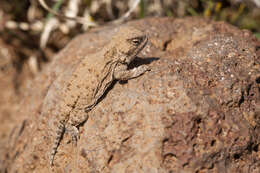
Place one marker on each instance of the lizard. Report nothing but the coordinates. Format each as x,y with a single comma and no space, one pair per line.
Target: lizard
92,77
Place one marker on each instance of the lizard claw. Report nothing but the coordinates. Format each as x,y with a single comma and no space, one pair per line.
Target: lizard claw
144,68
148,68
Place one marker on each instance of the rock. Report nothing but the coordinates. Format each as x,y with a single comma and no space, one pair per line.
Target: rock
11,85
197,110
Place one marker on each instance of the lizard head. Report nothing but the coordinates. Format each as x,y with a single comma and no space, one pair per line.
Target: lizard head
128,43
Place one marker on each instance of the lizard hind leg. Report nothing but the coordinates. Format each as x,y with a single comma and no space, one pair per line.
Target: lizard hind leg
59,133
77,118
74,133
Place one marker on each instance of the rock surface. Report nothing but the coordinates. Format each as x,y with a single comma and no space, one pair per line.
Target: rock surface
8,100
197,110
12,83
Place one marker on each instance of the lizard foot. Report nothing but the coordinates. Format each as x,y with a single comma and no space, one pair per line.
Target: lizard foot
74,133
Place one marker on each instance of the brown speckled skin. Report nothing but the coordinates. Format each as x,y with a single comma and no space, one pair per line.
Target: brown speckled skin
91,78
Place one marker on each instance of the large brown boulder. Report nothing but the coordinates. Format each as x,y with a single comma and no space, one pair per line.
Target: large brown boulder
197,110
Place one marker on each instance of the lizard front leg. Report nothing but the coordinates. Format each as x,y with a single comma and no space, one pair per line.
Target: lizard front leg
122,73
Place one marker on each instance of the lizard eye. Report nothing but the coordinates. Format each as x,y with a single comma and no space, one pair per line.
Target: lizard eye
136,41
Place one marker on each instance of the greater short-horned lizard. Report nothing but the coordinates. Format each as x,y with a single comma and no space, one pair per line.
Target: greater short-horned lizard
90,79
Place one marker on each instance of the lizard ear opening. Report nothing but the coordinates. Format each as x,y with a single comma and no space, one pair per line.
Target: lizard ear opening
110,52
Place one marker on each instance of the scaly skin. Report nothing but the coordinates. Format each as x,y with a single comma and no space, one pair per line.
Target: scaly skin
92,77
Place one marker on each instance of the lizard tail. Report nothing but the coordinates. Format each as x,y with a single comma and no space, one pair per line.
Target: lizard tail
59,133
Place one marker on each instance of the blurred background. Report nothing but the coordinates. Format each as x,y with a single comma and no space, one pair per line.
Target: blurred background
30,35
